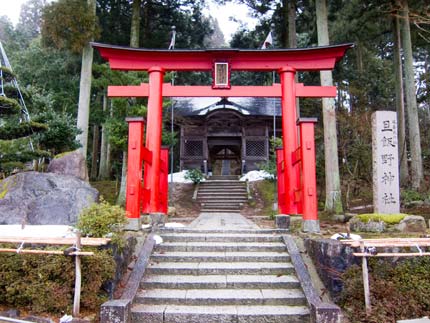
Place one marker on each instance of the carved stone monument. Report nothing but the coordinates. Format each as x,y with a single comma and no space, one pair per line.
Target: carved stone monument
385,162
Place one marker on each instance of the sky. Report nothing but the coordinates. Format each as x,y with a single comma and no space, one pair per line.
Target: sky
12,8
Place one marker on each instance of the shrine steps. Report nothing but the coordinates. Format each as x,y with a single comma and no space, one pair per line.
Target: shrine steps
222,195
220,276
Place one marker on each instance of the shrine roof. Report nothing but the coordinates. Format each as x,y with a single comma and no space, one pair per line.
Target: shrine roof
189,107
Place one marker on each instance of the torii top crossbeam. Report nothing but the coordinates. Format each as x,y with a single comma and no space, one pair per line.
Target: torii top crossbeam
300,59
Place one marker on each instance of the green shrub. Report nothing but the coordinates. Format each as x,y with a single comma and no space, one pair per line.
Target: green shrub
387,218
194,175
46,283
101,220
408,196
397,290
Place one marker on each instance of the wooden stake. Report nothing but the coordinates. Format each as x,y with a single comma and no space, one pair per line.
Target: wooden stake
365,281
77,298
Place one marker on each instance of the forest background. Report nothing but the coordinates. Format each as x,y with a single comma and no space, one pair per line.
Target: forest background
387,70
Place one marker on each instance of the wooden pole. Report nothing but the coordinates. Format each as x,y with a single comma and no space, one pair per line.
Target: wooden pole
77,298
365,281
55,241
47,252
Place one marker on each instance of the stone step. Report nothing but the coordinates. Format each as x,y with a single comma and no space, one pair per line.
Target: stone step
179,256
221,193
225,231
222,204
223,182
222,246
224,177
219,281
217,314
221,296
220,237
215,210
217,186
224,197
219,268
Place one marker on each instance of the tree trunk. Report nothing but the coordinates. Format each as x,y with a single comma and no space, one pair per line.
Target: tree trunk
135,24
121,196
103,165
292,36
95,153
85,92
333,202
400,106
411,102
134,42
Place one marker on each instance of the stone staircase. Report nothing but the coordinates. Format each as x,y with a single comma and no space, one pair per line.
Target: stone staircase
222,194
220,276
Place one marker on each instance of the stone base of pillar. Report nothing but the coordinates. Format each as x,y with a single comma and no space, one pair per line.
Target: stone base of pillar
282,221
157,220
116,311
134,224
311,226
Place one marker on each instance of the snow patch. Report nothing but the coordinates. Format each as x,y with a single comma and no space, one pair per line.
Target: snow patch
345,236
35,231
174,225
256,175
158,239
179,177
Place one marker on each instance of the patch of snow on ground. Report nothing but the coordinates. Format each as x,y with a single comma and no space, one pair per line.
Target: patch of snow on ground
35,231
174,225
178,177
158,239
256,175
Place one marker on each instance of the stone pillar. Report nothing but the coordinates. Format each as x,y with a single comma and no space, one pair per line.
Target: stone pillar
385,162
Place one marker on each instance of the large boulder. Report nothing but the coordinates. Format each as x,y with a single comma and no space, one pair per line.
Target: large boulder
44,198
71,163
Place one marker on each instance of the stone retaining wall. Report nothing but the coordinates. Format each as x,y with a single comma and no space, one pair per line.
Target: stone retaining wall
331,258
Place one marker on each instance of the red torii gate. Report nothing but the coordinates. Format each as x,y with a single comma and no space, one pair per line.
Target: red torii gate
296,163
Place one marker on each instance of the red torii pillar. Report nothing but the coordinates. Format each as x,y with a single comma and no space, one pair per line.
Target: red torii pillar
153,137
289,136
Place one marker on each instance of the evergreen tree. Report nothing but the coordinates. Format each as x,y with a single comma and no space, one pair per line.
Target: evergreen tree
16,128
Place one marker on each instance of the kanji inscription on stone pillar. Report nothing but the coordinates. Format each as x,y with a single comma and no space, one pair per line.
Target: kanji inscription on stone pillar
385,162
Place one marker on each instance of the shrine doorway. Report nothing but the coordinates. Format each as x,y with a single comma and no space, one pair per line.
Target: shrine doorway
225,155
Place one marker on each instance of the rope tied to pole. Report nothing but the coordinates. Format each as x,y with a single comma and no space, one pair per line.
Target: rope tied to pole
20,247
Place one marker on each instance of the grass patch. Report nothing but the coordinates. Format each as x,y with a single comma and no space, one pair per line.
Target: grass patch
107,189
266,190
387,218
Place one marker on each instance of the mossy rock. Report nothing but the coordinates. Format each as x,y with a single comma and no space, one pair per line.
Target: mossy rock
376,222
394,218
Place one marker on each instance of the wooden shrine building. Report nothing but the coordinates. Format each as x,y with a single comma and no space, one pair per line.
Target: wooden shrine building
226,136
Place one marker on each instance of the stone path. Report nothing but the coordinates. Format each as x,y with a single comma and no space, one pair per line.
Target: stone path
222,268
222,221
